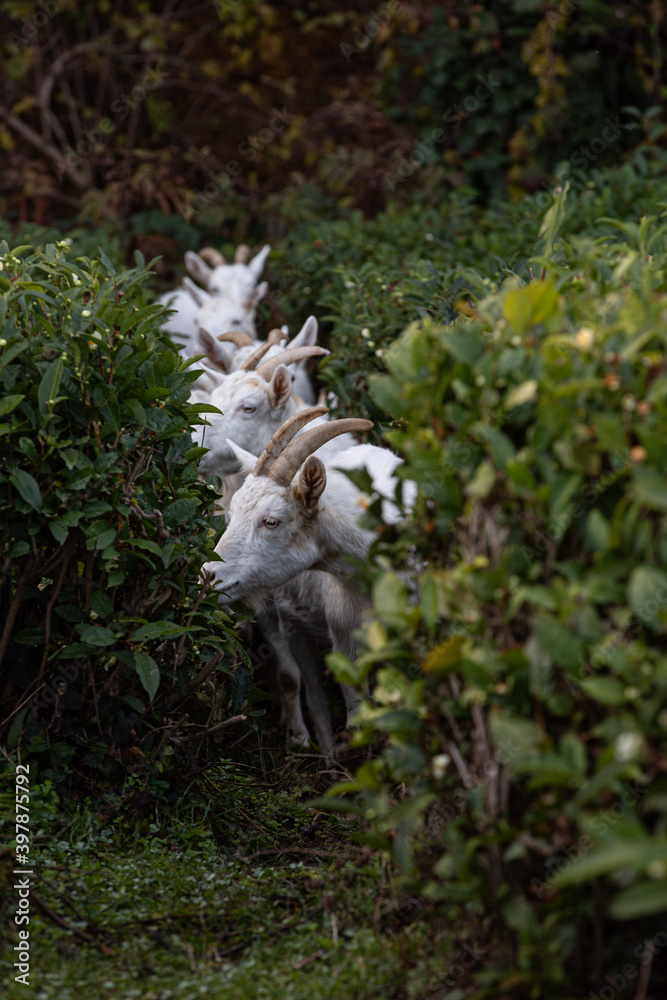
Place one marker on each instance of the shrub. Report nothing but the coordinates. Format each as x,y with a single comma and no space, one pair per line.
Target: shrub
105,524
518,671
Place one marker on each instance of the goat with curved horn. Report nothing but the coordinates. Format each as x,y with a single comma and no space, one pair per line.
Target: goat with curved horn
289,461
237,337
288,357
275,337
242,254
212,256
284,435
250,364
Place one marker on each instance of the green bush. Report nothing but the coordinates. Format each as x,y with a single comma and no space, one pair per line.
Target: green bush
518,668
105,524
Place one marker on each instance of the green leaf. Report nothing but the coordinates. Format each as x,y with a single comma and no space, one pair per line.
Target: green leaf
641,900
559,642
49,385
162,630
647,596
8,403
445,656
605,690
97,635
532,304
27,487
101,604
148,672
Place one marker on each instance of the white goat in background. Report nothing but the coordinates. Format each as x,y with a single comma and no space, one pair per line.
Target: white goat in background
234,286
293,522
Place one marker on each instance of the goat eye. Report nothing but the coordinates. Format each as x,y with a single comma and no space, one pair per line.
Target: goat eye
249,408
271,522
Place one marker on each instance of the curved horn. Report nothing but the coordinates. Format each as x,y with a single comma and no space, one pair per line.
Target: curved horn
237,337
284,435
242,254
295,454
267,369
251,363
275,337
212,256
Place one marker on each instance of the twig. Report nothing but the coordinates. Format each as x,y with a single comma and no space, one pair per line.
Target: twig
45,908
645,970
35,139
216,728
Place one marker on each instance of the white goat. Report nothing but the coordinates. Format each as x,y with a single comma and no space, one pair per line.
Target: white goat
228,352
255,401
233,285
281,526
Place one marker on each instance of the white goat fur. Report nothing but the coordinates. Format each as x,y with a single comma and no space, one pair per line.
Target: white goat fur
252,411
234,285
228,358
312,527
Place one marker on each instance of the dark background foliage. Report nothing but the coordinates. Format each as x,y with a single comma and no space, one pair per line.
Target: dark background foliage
109,109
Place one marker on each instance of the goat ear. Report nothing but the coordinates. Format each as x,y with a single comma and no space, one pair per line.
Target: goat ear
307,335
198,268
246,460
312,480
214,350
258,293
256,265
280,387
197,293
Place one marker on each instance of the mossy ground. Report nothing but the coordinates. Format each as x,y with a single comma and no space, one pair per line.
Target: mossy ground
243,891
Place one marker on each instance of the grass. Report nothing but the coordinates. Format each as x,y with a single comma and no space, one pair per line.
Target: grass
243,891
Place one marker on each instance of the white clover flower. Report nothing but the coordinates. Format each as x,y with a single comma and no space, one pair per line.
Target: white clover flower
349,284
429,236
379,353
85,312
3,342
628,402
371,343
628,746
439,765
307,290
2,266
365,332
515,341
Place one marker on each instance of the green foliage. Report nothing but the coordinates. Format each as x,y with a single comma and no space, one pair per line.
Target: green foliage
105,524
516,651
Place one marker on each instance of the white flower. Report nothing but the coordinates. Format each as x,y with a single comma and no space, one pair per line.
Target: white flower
75,279
429,236
365,332
85,312
439,765
585,338
480,380
3,342
379,353
349,284
628,746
